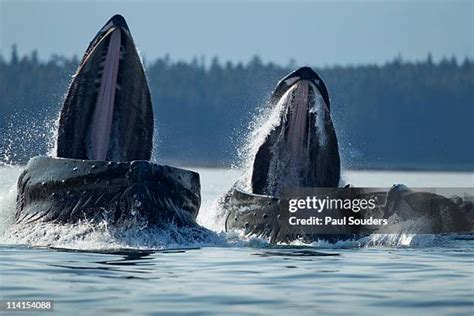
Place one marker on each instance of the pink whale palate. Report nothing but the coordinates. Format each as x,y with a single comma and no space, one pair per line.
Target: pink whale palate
104,109
298,119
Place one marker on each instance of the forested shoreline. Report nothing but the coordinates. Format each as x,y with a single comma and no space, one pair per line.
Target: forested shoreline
400,115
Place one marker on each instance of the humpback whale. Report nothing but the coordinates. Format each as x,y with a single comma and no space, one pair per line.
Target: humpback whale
104,144
301,151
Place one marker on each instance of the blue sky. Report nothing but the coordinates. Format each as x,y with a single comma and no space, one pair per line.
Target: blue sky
311,32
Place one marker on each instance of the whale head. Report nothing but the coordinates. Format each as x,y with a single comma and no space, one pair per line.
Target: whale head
107,113
105,134
301,149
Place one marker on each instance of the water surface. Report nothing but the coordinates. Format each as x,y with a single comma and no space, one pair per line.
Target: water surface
136,273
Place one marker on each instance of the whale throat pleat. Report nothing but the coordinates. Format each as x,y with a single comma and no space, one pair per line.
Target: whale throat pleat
101,127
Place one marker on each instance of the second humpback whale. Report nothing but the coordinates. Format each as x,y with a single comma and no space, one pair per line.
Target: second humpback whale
101,169
299,151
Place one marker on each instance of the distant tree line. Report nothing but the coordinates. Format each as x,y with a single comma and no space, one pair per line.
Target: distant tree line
416,115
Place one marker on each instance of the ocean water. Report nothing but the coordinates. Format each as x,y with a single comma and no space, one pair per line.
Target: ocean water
98,270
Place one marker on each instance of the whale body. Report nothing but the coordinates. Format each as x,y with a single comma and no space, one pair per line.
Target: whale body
301,151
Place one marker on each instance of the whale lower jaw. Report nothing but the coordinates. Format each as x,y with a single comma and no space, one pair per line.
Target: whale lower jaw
70,191
261,216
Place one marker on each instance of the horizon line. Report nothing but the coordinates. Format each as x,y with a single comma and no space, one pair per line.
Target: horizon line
206,61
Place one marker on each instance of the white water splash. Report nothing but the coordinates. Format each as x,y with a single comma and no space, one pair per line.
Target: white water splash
266,120
214,184
25,134
8,177
87,236
53,137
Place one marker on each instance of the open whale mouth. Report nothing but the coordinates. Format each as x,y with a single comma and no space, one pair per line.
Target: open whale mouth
105,132
302,149
107,114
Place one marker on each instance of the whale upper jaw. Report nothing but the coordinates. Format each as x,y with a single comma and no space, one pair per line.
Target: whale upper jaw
302,149
303,73
107,113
